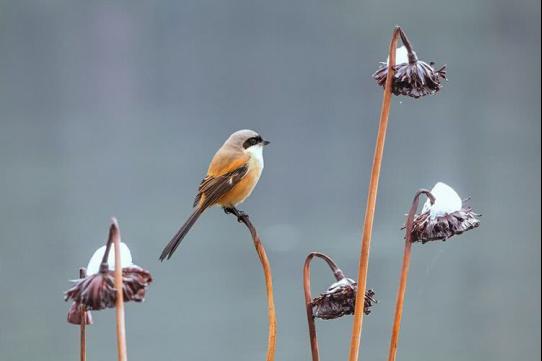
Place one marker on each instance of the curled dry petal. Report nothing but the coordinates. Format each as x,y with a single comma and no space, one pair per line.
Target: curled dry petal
74,315
338,301
412,79
135,282
426,228
97,291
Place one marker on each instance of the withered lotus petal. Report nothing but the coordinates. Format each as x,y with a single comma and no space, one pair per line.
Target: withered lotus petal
425,229
74,315
98,291
340,302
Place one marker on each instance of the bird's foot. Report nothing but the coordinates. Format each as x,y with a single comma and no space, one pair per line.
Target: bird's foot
228,210
241,216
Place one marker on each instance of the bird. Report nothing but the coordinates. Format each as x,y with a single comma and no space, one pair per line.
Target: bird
231,177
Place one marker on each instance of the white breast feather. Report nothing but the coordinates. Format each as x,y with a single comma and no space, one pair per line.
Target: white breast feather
256,154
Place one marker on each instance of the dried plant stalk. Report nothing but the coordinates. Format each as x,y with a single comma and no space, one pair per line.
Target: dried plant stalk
404,273
271,315
371,202
82,326
114,234
308,298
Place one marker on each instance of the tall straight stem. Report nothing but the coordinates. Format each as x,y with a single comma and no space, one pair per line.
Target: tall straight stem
404,273
82,325
371,202
82,334
121,324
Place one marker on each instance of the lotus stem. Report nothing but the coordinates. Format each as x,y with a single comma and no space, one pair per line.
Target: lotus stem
114,235
271,315
82,326
371,201
404,273
339,275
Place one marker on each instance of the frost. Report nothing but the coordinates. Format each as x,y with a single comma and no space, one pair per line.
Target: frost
96,259
447,201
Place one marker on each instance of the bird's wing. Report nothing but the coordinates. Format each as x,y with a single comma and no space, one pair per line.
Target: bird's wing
214,187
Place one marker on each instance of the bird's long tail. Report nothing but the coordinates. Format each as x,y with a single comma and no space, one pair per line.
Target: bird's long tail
178,237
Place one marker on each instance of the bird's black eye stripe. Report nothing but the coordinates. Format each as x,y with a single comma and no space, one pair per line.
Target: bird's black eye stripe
252,141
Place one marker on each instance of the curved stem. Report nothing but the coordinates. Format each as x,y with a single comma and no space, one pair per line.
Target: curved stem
339,275
412,57
271,315
404,273
371,202
121,324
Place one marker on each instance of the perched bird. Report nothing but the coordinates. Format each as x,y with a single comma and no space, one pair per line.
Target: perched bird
232,175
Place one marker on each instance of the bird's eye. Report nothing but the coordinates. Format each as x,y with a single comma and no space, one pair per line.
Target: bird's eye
252,141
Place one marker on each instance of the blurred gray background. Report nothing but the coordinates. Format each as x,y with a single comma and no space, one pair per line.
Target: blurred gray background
115,108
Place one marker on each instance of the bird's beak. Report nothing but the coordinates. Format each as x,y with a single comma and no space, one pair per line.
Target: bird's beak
266,142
